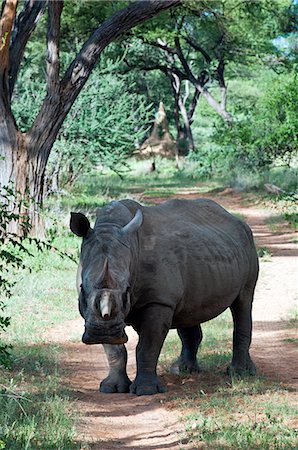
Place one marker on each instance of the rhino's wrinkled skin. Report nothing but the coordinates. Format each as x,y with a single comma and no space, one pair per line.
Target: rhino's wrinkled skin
175,265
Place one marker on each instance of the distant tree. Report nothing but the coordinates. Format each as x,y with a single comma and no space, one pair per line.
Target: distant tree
268,130
25,154
193,46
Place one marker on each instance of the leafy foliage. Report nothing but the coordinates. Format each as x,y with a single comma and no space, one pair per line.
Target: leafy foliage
104,127
113,112
11,250
269,130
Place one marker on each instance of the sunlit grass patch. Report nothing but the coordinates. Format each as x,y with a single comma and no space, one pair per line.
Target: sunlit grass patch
44,296
41,299
240,431
227,412
97,189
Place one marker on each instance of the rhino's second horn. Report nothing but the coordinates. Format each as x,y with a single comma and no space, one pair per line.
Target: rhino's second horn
79,278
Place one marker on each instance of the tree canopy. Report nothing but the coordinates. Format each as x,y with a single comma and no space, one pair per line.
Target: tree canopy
208,61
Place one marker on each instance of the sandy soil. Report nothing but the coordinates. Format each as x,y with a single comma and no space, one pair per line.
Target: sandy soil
130,422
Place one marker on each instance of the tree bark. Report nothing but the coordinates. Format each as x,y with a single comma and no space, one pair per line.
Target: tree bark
25,155
183,132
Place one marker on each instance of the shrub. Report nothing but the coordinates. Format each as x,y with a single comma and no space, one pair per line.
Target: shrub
268,131
12,250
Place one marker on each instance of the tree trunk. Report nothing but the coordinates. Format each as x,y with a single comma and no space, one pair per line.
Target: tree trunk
187,127
25,173
184,133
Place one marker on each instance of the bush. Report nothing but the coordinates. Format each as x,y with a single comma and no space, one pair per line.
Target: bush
104,127
268,131
12,250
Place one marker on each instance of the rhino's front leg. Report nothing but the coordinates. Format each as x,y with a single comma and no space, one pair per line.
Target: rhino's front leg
152,329
117,380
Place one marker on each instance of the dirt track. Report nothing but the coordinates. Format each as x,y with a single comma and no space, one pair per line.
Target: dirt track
127,421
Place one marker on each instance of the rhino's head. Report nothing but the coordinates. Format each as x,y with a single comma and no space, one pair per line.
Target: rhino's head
103,278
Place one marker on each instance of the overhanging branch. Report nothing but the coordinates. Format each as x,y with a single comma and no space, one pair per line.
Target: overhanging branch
24,25
122,21
52,114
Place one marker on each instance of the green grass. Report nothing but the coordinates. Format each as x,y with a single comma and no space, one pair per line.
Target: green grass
264,254
277,222
35,408
46,296
36,411
292,219
250,432
95,190
291,340
281,176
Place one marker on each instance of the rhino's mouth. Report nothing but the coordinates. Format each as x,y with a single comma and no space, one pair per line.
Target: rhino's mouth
93,335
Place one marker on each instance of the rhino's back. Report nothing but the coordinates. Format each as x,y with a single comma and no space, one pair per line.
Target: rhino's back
203,217
194,253
179,223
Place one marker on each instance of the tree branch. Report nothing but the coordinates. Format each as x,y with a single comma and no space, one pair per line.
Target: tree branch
219,108
23,28
160,44
197,47
122,21
53,34
52,114
6,24
184,63
193,105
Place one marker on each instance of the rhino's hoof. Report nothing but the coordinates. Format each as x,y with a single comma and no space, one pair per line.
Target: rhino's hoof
108,386
147,387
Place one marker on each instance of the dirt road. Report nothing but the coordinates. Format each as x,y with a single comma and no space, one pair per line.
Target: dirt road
126,421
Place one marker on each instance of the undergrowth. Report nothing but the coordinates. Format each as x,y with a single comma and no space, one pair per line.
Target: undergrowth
220,411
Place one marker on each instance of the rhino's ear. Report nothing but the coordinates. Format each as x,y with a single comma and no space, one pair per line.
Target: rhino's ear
79,224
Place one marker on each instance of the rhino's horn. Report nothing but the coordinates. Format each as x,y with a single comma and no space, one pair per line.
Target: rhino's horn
105,275
134,224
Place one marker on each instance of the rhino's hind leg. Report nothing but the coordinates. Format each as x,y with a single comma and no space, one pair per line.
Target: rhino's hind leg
242,363
191,338
117,380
